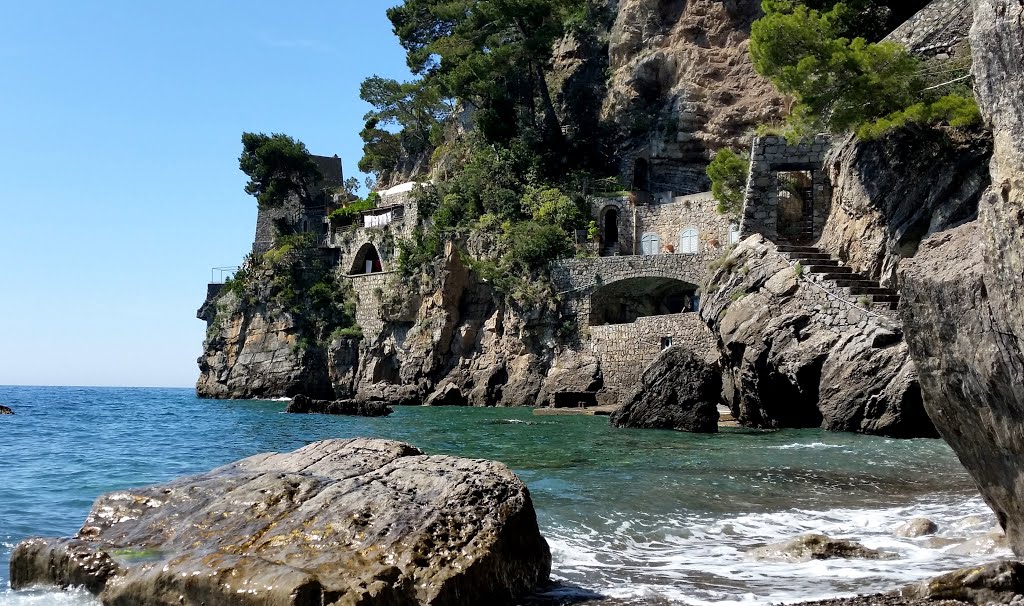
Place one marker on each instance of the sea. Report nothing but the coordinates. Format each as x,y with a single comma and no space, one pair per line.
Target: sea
642,516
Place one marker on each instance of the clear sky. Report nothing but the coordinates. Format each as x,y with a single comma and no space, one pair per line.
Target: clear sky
120,126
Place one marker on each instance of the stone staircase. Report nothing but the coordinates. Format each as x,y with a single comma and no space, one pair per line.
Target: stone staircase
820,267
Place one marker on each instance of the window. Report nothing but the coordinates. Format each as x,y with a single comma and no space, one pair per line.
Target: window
666,342
734,234
689,242
650,245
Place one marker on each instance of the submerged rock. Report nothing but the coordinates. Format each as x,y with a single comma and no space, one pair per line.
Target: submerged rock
917,527
998,582
677,391
301,404
817,547
4,410
355,521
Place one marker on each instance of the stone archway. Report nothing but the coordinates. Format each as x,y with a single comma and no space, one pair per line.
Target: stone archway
623,301
366,261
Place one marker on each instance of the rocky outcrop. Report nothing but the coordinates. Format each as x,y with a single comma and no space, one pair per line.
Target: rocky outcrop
995,583
817,547
796,355
889,194
963,294
301,404
916,527
341,522
256,351
679,390
4,410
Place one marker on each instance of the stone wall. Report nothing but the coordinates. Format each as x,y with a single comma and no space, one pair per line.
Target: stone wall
937,29
667,216
768,157
350,240
625,350
368,289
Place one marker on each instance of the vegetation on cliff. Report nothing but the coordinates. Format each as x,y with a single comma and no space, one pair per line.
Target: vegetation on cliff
278,167
839,80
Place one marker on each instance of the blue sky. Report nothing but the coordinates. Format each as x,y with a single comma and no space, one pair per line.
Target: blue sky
120,126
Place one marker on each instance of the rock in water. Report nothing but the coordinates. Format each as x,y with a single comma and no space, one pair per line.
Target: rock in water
917,527
5,410
302,405
817,547
995,583
677,391
356,521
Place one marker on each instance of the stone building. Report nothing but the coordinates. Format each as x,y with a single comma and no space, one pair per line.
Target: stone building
299,216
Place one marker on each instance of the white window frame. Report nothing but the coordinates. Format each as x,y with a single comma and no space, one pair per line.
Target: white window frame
734,234
645,244
689,241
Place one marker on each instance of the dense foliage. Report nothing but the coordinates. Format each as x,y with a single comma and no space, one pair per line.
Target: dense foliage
277,166
838,79
728,173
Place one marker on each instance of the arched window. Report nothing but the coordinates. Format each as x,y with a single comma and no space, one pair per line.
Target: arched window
734,234
649,244
689,242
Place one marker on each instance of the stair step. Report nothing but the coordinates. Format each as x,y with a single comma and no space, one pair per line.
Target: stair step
810,258
869,290
885,299
854,281
837,277
824,267
792,248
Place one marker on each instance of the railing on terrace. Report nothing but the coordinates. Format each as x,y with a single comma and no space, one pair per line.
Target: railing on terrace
220,275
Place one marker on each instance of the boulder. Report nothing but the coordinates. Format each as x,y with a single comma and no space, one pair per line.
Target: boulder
679,390
301,404
994,583
447,394
355,521
817,547
4,410
917,527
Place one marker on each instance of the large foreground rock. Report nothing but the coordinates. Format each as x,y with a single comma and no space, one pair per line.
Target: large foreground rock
338,522
994,583
964,293
679,390
817,547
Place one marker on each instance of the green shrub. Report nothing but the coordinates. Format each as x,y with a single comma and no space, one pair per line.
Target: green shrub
955,110
531,245
728,173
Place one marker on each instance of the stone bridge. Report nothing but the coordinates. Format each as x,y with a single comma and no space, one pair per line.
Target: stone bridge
588,286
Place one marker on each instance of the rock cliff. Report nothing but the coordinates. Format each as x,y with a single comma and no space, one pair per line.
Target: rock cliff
672,82
964,292
889,194
793,355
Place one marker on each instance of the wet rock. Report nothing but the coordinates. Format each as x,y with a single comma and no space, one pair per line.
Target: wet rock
679,390
355,521
917,527
447,395
301,404
4,410
990,543
963,294
998,582
817,547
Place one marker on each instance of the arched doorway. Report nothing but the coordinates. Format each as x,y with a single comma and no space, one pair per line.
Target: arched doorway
795,206
367,260
610,237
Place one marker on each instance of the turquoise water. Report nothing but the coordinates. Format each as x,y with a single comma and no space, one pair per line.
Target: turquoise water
630,514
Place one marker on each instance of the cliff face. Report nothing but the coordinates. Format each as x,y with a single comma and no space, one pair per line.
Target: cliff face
673,81
889,194
964,293
256,351
793,356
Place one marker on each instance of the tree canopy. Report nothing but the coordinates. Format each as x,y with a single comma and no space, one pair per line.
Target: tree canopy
838,83
278,166
728,173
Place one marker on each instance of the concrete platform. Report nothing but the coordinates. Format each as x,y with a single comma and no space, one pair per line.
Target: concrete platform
593,411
